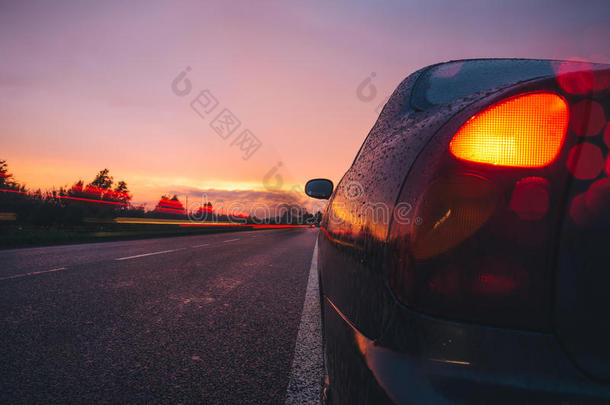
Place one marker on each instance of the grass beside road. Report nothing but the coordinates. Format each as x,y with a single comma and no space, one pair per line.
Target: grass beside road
13,235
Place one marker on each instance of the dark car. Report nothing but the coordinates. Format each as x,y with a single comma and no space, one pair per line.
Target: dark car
463,257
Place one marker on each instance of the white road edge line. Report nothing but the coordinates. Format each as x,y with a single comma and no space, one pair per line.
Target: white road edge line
230,240
203,244
304,385
149,254
33,273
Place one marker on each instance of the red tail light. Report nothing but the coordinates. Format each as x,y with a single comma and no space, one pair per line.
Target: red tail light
524,131
487,198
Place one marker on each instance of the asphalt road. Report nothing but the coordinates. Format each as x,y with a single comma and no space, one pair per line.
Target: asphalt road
195,319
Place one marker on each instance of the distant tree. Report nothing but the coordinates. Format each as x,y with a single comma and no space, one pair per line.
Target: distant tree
204,212
102,180
100,188
170,205
307,218
76,189
121,187
6,179
318,217
4,174
121,192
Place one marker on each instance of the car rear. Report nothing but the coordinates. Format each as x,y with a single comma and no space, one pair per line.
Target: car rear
499,276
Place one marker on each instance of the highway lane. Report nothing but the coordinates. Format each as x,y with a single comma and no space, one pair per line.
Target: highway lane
21,261
195,319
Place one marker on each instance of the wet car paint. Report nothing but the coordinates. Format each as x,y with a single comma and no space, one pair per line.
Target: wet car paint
376,348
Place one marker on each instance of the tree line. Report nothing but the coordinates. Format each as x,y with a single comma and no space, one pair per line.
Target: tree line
103,198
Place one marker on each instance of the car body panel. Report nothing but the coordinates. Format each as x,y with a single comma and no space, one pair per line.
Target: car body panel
582,277
376,347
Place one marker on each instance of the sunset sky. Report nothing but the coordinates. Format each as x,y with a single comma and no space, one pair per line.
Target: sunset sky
87,85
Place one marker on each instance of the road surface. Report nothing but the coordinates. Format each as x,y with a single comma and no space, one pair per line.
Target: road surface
195,319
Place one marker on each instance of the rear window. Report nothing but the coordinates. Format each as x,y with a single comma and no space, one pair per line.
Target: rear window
450,81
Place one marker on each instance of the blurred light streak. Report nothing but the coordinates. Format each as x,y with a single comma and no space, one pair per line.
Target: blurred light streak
463,363
8,216
172,210
100,192
158,221
65,197
252,226
281,226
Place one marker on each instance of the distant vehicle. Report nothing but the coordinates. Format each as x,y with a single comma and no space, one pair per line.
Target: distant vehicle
463,257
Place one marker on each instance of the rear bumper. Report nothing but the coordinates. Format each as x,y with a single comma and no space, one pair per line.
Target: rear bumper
475,365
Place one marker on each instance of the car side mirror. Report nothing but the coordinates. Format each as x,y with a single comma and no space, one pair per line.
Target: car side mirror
319,188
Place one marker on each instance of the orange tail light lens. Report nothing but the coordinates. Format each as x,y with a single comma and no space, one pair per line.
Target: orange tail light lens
523,131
